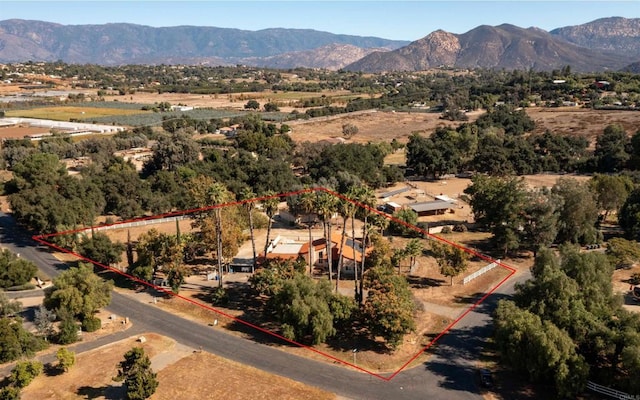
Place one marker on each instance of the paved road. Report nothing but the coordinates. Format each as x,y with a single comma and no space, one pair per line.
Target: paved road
449,374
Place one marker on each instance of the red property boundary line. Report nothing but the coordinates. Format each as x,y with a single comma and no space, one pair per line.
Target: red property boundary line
42,240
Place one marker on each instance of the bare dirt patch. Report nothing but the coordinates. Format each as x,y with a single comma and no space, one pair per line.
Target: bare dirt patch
376,126
19,132
582,122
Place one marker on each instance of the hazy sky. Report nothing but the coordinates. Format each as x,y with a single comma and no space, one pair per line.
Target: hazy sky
405,20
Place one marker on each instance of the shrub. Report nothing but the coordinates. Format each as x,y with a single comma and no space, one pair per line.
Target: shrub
219,296
10,393
66,359
68,331
446,229
460,228
24,372
91,324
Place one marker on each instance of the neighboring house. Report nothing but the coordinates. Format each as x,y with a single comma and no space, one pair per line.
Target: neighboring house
298,219
229,131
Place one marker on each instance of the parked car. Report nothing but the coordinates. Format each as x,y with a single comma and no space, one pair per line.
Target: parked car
486,378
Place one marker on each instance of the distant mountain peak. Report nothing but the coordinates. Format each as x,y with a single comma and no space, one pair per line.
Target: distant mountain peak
124,43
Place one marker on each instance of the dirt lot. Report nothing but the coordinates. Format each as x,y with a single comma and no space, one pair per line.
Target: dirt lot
179,369
372,126
19,132
581,121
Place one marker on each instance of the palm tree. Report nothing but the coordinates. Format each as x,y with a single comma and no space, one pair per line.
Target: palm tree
247,195
325,207
217,194
346,209
413,249
366,198
270,204
306,202
352,193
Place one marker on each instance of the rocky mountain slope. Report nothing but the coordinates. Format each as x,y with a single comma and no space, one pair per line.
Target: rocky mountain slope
114,44
614,34
504,46
331,57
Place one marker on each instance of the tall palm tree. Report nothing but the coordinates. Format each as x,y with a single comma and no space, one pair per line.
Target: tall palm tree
325,207
247,194
217,194
367,199
346,209
306,202
352,193
270,205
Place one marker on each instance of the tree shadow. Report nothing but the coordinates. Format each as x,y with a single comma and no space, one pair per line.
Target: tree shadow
468,299
445,222
356,336
482,246
109,392
629,300
256,321
421,282
52,370
488,305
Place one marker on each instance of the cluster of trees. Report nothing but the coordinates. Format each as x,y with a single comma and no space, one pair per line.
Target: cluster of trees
15,271
496,144
24,372
76,296
308,310
566,325
46,199
21,376
311,312
15,340
527,219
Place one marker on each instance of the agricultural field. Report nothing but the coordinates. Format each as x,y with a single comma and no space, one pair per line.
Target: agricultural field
67,113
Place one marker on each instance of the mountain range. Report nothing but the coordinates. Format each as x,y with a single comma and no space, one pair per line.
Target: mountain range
603,44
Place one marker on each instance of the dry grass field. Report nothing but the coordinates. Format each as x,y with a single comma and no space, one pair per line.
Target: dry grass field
179,372
385,126
65,113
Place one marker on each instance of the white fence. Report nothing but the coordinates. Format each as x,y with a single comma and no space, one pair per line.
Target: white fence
136,223
616,394
479,272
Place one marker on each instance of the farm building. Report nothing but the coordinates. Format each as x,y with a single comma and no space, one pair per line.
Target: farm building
388,195
436,207
390,207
